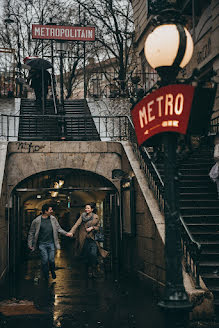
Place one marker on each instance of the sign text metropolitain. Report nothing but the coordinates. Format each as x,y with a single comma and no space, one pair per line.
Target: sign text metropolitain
59,32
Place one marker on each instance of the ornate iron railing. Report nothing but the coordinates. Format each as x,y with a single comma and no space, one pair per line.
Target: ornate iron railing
191,249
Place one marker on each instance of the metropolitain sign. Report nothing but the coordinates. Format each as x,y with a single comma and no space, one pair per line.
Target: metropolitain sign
164,110
66,33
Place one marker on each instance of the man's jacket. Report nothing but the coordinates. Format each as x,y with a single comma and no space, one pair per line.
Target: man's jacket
35,229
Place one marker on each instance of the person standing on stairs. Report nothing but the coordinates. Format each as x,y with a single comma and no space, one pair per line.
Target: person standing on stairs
35,76
44,233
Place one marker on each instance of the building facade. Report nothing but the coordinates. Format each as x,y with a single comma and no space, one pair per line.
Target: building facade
203,23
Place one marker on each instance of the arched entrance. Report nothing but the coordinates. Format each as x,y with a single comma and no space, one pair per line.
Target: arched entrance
67,190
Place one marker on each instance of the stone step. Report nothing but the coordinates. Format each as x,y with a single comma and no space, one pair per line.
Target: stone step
202,196
201,218
188,210
196,203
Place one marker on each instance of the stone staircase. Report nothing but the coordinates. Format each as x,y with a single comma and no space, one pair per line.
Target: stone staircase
76,123
79,123
32,124
199,207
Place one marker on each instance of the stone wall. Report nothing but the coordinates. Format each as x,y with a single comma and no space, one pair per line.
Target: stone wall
145,252
28,158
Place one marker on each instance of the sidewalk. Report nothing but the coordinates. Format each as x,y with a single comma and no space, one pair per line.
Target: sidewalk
75,301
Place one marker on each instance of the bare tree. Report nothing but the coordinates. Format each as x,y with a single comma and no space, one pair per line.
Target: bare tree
17,33
115,31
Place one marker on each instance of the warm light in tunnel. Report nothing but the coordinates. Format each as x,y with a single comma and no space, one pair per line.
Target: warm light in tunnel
54,193
61,182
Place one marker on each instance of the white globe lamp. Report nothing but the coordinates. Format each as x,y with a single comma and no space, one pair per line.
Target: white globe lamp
168,48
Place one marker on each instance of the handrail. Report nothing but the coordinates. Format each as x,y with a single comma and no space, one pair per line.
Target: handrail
65,116
191,248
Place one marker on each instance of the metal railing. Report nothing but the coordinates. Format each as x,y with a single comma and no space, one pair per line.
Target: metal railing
191,249
106,84
57,127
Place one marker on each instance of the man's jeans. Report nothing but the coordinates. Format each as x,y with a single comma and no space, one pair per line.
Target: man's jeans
47,254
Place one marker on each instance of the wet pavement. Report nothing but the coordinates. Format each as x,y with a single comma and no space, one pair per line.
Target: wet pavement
74,300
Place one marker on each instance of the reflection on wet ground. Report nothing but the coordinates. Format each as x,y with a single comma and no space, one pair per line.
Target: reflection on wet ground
73,300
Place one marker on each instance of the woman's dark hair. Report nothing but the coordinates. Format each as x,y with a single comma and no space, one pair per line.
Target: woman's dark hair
45,207
93,206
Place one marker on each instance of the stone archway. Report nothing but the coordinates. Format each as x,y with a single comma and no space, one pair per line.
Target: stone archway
78,187
28,158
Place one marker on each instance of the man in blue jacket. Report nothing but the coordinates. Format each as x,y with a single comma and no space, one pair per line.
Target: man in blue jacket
44,233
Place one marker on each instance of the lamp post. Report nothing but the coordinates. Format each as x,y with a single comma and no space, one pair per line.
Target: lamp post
168,48
11,21
61,47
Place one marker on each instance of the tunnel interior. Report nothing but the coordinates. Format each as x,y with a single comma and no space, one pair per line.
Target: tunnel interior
67,191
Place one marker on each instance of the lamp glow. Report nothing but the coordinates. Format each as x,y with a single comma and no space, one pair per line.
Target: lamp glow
162,45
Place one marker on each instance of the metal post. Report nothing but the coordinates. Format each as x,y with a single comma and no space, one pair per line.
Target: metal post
61,82
85,84
84,47
43,90
19,61
175,303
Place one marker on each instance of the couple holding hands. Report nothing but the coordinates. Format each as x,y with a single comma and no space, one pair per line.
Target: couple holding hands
44,233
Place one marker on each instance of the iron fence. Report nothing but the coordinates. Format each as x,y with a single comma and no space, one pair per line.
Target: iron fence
58,127
107,85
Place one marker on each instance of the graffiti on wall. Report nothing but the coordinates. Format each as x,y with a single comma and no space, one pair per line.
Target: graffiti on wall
29,147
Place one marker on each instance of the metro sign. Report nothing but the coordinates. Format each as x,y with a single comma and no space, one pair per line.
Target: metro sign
164,110
66,33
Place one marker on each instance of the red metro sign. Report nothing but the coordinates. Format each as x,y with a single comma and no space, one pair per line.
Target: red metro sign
166,109
67,33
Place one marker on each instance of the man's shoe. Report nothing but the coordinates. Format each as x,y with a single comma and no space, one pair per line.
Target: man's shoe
53,274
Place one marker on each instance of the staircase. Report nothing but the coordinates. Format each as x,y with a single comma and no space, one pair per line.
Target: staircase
33,126
79,123
199,207
76,124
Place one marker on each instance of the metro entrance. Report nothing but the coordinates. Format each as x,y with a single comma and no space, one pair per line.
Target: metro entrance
67,190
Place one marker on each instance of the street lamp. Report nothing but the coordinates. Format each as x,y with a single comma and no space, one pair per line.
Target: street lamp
168,48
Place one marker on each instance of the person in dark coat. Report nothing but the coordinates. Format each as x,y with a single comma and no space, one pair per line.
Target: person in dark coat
36,83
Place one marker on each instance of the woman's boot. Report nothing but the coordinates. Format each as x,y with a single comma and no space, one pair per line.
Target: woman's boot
90,272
